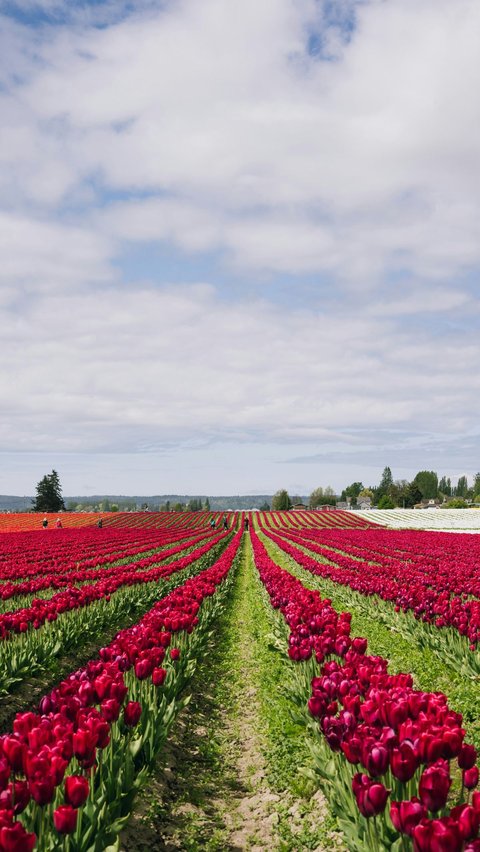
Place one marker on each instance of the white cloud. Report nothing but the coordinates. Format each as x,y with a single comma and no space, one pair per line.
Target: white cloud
120,369
210,103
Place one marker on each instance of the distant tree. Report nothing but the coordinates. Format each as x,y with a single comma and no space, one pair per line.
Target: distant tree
461,488
49,494
456,503
385,502
72,506
366,494
281,501
427,482
167,506
179,507
386,483
445,486
207,505
114,507
351,492
265,507
413,495
320,497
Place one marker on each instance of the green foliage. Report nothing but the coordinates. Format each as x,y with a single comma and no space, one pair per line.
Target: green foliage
281,501
456,503
445,486
385,502
352,491
322,497
413,496
49,494
386,483
265,507
427,482
461,487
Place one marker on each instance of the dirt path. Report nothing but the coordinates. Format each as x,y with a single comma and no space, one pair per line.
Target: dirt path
212,787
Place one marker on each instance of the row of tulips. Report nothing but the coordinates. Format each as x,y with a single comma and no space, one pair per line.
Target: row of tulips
84,573
316,520
388,749
33,651
104,585
71,769
398,581
26,555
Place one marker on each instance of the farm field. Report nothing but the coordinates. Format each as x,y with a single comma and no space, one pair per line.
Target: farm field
308,681
426,519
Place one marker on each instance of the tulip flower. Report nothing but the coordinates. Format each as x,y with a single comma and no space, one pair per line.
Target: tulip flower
434,785
437,835
14,838
65,819
470,777
76,790
131,713
406,815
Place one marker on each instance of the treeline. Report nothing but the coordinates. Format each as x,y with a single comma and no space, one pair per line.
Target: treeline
391,494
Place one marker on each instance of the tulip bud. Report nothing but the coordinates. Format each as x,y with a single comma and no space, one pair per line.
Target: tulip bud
76,790
131,713
65,819
470,777
434,786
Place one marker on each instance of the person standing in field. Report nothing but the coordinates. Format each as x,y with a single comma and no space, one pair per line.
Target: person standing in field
225,524
45,523
100,524
58,524
246,524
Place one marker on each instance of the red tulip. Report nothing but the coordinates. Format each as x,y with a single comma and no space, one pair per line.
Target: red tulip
131,713
434,786
406,815
65,819
467,757
437,835
14,838
404,762
158,676
470,777
76,790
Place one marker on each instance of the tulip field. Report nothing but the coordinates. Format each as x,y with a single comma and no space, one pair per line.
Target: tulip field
109,636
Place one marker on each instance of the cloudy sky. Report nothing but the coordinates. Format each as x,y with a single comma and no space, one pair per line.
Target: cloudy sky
240,243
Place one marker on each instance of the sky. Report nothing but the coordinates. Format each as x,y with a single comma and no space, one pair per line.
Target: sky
239,243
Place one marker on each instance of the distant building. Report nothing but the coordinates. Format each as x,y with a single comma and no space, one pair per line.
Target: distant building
364,503
428,504
299,507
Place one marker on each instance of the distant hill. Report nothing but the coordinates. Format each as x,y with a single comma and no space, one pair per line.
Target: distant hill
234,502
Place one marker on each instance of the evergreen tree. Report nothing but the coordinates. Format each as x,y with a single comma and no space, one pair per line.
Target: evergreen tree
207,504
386,483
462,487
49,494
